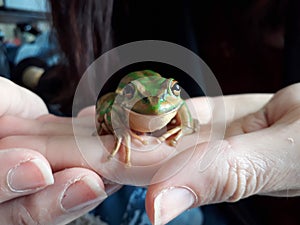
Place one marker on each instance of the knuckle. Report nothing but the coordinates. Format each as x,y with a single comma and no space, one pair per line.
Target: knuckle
246,176
255,121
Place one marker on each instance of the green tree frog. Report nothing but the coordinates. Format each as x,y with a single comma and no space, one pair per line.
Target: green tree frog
144,102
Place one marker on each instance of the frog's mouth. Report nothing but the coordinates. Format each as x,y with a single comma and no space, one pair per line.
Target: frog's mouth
149,123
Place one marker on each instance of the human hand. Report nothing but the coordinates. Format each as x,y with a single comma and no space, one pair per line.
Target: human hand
259,155
51,133
18,101
29,192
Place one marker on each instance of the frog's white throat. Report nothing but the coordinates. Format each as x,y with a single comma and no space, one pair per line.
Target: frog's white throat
149,123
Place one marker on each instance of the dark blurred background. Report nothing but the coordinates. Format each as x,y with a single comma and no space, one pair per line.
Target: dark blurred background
241,41
251,46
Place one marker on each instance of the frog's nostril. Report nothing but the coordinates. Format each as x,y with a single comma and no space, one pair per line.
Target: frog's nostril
145,100
151,101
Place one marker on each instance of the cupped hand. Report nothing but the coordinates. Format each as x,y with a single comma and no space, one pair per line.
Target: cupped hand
259,155
30,193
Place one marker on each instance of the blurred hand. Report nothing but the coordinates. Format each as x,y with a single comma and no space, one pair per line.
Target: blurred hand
30,193
259,155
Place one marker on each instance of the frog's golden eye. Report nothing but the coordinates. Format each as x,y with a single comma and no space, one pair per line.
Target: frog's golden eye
129,90
175,88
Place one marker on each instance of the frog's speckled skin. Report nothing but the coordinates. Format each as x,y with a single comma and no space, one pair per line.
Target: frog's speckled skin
143,97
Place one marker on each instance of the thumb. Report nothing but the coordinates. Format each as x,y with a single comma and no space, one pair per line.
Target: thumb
21,102
260,162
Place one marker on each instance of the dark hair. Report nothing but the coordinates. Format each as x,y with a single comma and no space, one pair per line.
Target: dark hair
229,34
83,30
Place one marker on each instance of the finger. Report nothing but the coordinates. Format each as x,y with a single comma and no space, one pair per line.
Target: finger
243,165
239,106
229,108
88,111
55,119
250,123
93,152
11,125
61,151
20,101
23,172
88,121
179,192
75,192
284,106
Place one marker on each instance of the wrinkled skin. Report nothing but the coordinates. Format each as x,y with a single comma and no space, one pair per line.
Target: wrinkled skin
259,155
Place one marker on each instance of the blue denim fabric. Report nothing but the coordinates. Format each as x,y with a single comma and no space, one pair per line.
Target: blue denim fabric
127,207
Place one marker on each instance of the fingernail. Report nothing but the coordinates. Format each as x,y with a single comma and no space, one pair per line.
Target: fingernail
171,202
82,193
29,175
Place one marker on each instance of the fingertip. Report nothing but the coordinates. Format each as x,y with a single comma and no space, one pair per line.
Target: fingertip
149,203
82,193
79,190
23,172
169,202
75,192
29,176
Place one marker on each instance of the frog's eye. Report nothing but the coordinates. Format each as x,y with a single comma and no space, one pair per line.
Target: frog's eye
175,88
129,90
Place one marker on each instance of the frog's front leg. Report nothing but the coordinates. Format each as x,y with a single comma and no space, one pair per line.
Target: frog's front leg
127,142
116,148
121,132
187,126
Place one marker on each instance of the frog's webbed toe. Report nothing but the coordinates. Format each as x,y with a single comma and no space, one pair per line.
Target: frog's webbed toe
169,133
173,142
139,138
178,132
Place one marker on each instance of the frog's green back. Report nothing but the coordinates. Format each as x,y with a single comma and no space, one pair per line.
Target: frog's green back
134,76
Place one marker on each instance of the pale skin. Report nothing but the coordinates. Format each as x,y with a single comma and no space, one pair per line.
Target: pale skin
28,185
259,155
